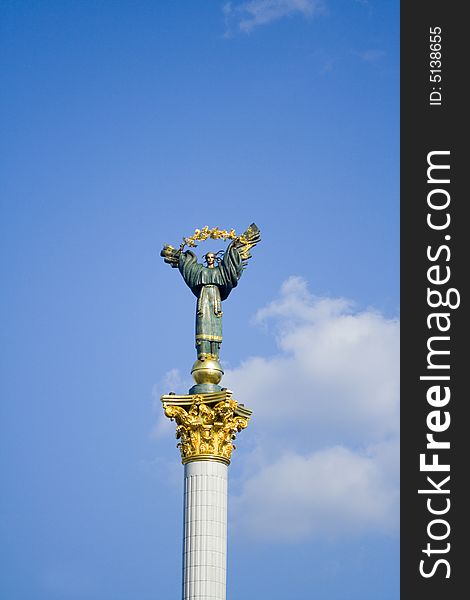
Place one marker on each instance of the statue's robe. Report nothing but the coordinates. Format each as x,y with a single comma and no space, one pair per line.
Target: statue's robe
211,287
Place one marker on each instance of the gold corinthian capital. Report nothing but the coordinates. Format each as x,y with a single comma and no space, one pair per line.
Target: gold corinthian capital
206,424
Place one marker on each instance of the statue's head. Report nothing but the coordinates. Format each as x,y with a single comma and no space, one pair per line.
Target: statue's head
212,259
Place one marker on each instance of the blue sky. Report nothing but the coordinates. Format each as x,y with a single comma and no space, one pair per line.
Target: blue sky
126,125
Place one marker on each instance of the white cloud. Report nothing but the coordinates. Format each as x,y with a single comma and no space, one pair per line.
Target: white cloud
331,492
326,420
372,55
335,377
171,382
245,16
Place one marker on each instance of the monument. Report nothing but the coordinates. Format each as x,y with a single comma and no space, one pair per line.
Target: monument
207,418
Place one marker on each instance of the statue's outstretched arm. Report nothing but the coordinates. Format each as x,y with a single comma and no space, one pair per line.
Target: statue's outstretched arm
171,255
247,241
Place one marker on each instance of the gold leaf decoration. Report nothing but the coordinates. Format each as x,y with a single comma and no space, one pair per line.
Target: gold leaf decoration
204,430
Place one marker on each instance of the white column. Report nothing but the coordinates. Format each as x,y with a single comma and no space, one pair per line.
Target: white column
205,530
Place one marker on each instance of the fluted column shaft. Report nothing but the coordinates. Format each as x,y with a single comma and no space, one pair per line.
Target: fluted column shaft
205,530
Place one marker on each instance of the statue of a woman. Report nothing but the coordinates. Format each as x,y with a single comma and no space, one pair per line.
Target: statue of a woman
212,284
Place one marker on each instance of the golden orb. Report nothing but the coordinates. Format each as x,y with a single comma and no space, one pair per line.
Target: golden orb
207,371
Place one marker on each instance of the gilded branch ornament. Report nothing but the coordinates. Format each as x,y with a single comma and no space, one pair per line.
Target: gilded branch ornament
243,242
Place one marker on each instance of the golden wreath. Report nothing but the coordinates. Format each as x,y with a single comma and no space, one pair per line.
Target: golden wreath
201,235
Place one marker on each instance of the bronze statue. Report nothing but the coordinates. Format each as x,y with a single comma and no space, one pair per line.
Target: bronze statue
211,284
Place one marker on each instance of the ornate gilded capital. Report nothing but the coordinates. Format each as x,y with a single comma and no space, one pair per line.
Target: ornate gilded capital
206,424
